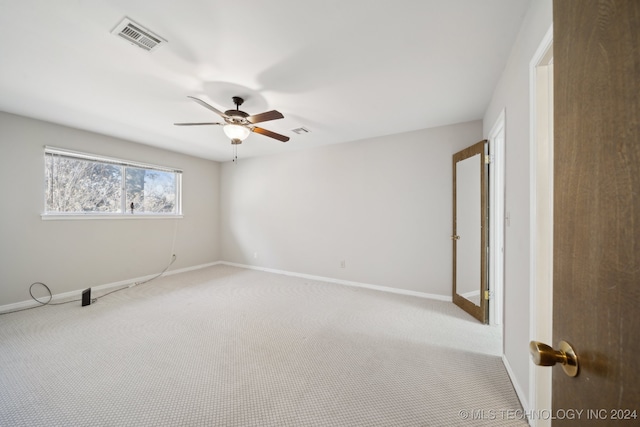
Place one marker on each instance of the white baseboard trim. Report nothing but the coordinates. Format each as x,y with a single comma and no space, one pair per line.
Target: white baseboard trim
342,282
469,295
107,286
78,293
516,386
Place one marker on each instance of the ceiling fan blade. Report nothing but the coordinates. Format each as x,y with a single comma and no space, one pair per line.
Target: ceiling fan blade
270,134
265,117
209,107
198,124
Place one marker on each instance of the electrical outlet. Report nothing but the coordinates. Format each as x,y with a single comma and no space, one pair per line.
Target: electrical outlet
255,255
343,264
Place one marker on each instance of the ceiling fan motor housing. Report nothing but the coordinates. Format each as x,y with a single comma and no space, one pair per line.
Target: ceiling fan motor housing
236,117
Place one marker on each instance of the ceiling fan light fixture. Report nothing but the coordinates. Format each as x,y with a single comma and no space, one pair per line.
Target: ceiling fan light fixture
239,124
236,133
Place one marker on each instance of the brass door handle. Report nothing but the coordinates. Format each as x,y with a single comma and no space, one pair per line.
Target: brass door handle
544,355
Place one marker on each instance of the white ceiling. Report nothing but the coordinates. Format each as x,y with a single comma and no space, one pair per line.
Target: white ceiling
345,69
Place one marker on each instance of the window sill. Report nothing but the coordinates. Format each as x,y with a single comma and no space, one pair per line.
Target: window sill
58,217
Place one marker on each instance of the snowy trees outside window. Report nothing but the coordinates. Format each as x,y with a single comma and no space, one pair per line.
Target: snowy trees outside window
85,184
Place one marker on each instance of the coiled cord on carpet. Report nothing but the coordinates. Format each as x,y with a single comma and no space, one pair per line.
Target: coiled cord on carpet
48,302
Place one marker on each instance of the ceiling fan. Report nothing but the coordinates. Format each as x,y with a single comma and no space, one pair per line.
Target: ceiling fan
238,124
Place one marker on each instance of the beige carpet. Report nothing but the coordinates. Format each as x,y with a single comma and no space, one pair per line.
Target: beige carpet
224,346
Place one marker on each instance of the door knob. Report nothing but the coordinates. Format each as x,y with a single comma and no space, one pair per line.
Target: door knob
544,355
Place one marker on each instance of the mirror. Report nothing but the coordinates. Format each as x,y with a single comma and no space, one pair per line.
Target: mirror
468,228
469,231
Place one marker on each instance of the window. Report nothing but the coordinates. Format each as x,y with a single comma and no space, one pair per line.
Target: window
85,184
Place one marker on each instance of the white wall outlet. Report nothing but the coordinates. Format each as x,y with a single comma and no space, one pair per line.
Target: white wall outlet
343,264
255,255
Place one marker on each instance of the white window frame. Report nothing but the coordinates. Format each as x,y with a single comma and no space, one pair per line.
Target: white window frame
124,214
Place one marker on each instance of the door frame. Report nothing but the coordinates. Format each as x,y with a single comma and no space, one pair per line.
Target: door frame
541,220
497,142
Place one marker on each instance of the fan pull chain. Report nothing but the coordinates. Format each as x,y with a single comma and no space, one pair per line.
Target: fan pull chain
235,153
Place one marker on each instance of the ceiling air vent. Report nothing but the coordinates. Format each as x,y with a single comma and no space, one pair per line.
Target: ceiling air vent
138,35
300,130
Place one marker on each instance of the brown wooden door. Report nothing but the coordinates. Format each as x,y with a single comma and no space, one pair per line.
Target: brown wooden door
470,219
596,298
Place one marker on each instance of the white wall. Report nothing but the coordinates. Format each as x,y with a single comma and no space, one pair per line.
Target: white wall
71,255
512,94
383,205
